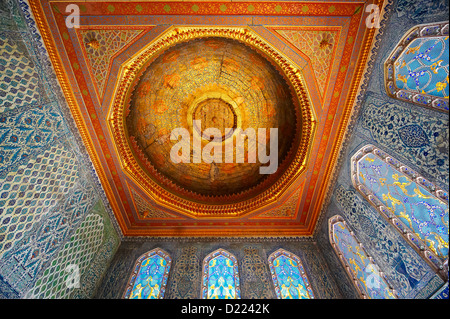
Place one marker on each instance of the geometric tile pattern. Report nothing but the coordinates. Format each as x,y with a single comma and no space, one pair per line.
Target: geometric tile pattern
24,133
79,250
22,264
93,275
18,78
318,47
99,264
43,199
100,45
32,189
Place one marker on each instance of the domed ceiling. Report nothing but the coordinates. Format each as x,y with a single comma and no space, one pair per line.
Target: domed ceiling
147,115
137,74
224,84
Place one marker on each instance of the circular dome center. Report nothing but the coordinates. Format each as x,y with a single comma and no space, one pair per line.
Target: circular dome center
214,113
211,83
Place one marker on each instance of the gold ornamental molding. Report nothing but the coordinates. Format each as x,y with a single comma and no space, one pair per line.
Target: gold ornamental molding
129,72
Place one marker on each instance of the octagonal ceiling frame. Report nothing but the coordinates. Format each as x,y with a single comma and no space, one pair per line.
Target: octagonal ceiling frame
52,39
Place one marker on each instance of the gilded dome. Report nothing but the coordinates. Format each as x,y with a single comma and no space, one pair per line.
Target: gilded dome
211,83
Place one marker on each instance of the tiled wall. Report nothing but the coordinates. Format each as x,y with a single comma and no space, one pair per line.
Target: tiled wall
384,122
54,219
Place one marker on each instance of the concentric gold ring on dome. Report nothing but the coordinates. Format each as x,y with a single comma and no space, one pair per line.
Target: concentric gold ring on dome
130,165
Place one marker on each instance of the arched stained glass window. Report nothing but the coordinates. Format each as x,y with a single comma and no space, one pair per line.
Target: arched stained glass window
417,70
365,274
289,276
220,278
412,204
149,277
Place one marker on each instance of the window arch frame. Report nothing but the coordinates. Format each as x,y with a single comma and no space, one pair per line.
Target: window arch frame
437,264
137,267
205,272
279,252
338,218
437,29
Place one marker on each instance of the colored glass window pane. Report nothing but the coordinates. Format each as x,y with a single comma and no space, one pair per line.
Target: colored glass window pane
289,276
417,69
149,278
220,276
367,275
424,214
423,67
